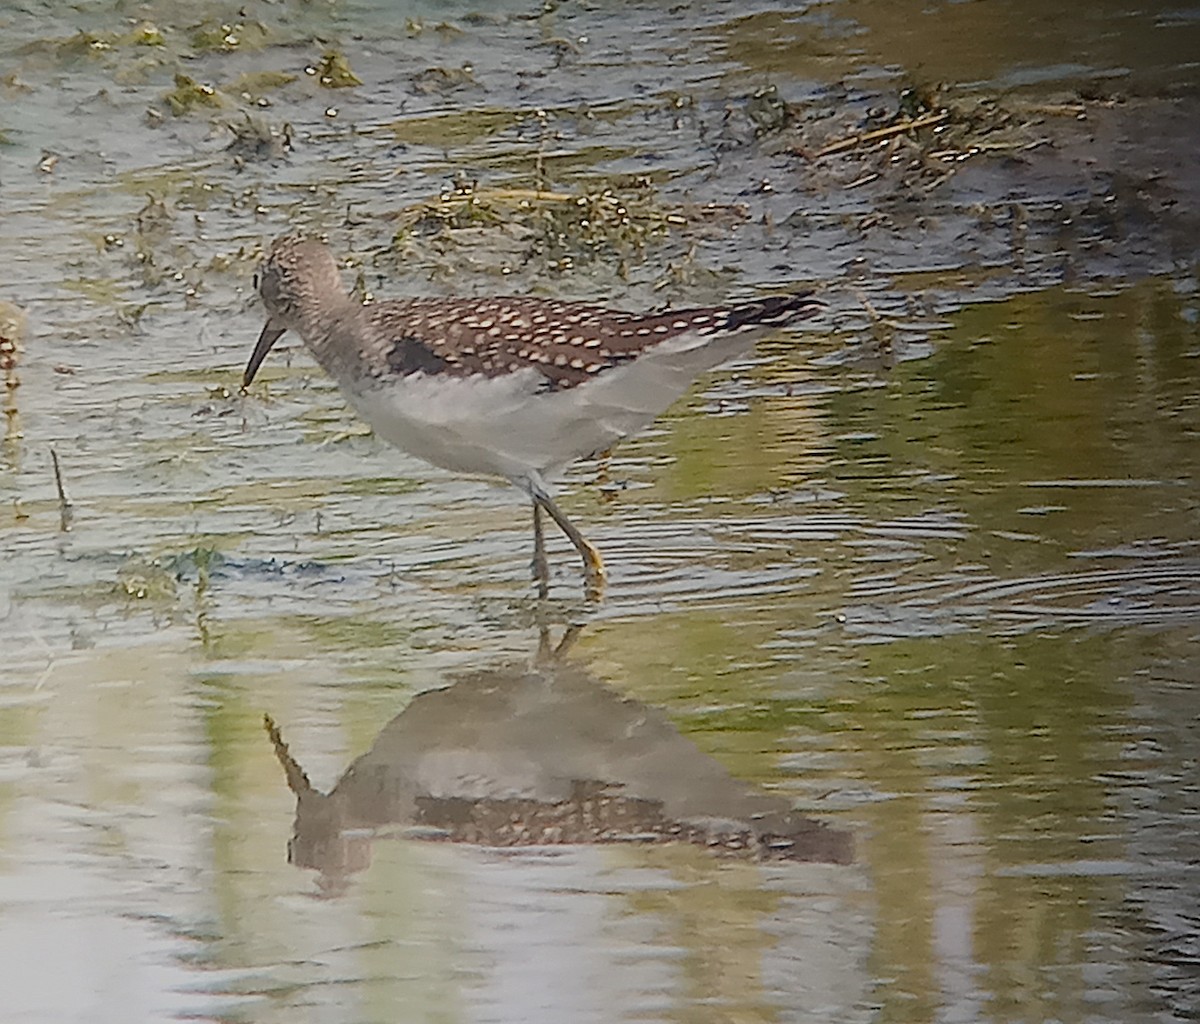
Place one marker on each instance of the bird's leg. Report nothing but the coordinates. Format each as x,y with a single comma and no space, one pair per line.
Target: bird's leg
593,564
541,566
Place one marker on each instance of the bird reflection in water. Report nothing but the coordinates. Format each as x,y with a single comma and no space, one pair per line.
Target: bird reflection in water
538,754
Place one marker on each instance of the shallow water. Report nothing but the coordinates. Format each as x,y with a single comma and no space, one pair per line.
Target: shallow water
927,570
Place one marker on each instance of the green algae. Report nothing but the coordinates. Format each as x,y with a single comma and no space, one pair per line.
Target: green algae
415,27
333,71
455,126
68,49
254,85
556,228
189,95
146,33
220,37
71,48
768,111
102,291
441,79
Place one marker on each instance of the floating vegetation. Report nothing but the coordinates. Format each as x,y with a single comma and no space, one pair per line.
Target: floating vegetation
458,125
211,36
256,139
189,94
70,48
768,111
147,582
416,27
146,33
154,220
102,291
93,44
925,137
572,220
158,580
332,71
556,228
891,131
196,564
13,85
254,85
438,79
916,109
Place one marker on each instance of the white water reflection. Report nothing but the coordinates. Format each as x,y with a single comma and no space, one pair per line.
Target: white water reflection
534,755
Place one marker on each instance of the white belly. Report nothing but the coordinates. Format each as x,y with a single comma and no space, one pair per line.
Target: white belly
506,427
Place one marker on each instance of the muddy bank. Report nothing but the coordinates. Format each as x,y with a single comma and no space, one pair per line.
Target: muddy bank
637,158
582,153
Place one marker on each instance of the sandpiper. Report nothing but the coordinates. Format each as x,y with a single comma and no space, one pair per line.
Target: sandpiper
511,387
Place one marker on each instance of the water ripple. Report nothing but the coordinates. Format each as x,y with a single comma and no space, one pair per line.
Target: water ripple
1152,595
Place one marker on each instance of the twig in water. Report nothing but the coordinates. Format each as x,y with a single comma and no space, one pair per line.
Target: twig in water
927,121
65,511
45,674
883,331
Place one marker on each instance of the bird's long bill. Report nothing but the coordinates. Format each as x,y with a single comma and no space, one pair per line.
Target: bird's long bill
271,333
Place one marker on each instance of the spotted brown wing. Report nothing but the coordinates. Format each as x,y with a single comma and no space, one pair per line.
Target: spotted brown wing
567,343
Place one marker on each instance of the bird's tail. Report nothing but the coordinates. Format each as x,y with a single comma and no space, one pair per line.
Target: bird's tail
773,311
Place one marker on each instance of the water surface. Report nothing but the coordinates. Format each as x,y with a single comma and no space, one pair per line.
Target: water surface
927,571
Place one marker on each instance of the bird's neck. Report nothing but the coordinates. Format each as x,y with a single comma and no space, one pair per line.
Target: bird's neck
329,329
